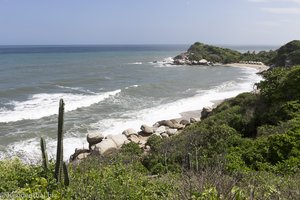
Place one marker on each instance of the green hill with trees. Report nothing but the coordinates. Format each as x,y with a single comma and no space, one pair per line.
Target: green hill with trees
247,148
286,56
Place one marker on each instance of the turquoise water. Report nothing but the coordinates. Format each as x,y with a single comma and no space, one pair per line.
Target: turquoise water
105,88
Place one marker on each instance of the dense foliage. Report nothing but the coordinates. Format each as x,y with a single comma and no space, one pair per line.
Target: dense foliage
248,147
215,54
286,56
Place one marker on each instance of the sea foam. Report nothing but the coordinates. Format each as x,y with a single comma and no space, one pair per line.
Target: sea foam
45,104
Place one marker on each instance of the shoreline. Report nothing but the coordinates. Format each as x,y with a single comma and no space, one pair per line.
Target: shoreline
260,68
196,114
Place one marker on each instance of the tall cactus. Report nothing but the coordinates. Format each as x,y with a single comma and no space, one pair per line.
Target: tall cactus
59,152
66,175
44,154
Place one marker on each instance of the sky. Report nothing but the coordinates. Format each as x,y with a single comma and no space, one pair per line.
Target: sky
235,22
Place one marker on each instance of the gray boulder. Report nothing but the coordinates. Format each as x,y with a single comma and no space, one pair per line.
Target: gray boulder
205,112
171,132
83,156
94,138
129,132
177,126
174,121
184,122
134,138
193,120
160,130
105,146
164,135
118,139
147,129
167,123
79,154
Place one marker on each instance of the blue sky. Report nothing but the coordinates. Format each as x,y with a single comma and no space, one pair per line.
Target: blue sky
36,22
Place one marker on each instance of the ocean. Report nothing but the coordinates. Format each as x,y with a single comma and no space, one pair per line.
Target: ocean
106,88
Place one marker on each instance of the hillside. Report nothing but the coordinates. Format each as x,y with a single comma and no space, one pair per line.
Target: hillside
199,53
248,147
287,55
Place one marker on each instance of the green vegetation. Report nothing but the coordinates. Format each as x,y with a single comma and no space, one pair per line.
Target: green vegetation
200,51
286,56
247,148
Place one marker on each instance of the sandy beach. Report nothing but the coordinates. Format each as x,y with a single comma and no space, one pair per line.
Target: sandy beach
258,67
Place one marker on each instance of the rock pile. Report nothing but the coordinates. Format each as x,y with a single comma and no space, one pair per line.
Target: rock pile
100,145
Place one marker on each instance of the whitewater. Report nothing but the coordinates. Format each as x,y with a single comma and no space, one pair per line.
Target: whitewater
104,89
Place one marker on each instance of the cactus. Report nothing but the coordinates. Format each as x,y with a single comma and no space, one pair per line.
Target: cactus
44,154
59,152
66,175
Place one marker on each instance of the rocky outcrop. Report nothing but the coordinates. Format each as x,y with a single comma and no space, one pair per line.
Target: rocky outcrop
80,154
94,138
100,145
119,140
129,132
205,112
106,146
147,130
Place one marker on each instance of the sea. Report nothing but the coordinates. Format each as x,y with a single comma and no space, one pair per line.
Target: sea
106,88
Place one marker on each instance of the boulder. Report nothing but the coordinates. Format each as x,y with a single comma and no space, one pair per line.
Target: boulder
174,121
171,132
147,129
167,123
205,112
134,138
94,138
193,120
160,130
83,156
184,122
177,126
164,135
118,139
129,132
105,146
77,154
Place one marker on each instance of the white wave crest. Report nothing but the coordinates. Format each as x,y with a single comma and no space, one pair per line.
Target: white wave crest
44,104
172,110
135,63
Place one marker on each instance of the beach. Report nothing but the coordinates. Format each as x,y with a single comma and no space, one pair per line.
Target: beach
260,68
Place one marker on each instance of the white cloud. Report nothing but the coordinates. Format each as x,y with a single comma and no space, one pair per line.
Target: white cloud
292,11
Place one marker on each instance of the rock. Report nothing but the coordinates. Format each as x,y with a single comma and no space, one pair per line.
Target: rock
134,138
118,139
193,120
78,152
147,129
147,148
94,138
164,135
105,146
171,132
205,112
174,121
160,130
129,132
83,156
177,126
156,125
167,123
184,122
